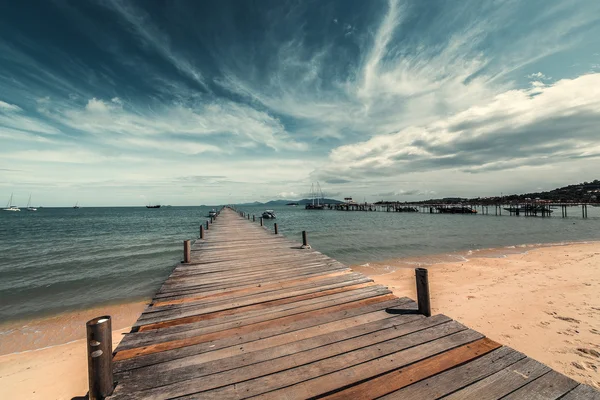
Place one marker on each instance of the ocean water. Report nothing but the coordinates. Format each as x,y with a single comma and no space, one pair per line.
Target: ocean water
62,259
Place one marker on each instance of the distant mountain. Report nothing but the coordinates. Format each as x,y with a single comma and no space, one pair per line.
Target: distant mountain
285,202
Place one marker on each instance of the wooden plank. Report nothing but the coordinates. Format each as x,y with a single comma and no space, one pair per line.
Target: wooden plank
181,382
353,324
265,299
454,379
227,320
324,376
582,392
503,382
547,387
416,372
338,299
263,288
308,320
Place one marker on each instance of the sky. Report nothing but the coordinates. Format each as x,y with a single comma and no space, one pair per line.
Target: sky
202,102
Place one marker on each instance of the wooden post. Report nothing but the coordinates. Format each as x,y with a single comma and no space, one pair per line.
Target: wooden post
99,355
261,221
304,239
201,231
275,227
423,291
253,218
187,251
207,225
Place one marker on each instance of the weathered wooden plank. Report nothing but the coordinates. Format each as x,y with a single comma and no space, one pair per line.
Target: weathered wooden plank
503,382
308,319
582,392
180,382
348,296
210,354
547,387
324,376
452,380
225,321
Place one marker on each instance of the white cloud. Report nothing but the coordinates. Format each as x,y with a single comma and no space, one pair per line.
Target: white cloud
539,75
6,107
516,128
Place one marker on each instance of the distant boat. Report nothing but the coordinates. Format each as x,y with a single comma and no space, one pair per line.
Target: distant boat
269,214
317,198
29,208
76,205
212,213
292,204
153,206
10,207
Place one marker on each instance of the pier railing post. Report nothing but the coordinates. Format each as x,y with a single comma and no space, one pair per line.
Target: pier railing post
261,221
187,251
99,355
207,225
201,231
423,291
305,244
275,227
253,218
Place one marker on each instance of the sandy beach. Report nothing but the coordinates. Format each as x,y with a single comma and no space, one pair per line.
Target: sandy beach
542,301
46,358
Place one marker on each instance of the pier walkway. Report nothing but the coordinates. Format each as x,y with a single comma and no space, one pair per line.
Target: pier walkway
255,315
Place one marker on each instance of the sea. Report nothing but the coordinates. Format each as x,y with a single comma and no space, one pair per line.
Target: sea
63,259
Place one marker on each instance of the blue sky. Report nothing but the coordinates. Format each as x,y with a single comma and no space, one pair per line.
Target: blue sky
197,102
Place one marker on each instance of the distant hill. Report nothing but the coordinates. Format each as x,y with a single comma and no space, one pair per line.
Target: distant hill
578,193
285,202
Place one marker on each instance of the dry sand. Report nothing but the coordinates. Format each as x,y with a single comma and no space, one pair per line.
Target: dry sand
57,368
544,303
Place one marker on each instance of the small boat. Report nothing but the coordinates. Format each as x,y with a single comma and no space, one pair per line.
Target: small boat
212,213
29,208
269,214
153,206
76,206
10,207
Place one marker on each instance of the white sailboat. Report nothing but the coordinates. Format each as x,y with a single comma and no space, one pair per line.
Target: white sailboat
29,208
10,207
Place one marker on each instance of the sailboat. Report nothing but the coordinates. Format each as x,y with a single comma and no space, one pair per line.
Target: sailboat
76,205
29,208
317,198
10,207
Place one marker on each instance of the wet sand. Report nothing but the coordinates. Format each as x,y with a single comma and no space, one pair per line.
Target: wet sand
542,301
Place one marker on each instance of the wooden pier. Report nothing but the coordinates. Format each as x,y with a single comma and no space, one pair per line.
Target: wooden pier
255,314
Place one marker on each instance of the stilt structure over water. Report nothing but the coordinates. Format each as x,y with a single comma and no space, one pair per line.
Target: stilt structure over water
251,313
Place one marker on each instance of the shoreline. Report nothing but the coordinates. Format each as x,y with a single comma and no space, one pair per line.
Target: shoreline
544,301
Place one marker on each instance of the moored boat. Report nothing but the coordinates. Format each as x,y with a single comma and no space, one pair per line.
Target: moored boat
29,208
269,214
212,213
9,206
